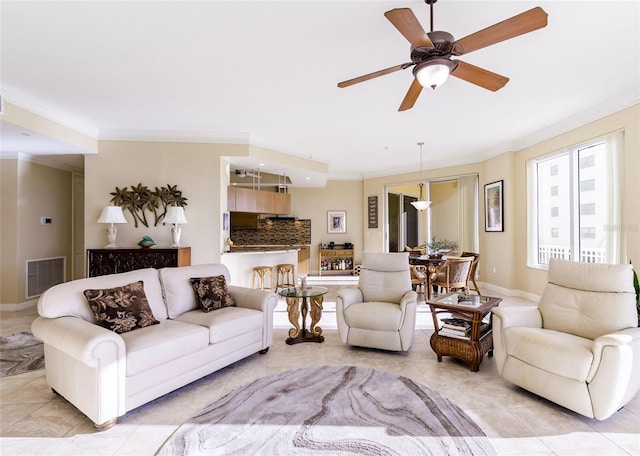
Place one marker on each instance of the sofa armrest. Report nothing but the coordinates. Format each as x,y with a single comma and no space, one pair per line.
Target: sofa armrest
505,317
614,377
410,297
347,296
86,364
528,316
253,298
76,337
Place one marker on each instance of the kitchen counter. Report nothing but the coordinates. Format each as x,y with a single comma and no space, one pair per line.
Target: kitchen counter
264,248
241,261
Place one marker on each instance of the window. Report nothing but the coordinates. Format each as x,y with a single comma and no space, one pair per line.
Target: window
588,209
587,161
587,185
567,218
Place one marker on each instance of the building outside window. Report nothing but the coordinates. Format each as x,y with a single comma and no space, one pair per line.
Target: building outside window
568,219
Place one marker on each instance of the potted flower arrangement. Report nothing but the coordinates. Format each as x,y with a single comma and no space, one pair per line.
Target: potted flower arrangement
434,248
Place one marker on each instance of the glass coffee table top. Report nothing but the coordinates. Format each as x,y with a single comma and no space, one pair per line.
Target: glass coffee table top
297,292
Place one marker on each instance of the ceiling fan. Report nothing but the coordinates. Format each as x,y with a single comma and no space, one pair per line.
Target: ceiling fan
431,52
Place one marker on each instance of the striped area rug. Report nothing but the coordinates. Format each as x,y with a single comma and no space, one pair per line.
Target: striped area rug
19,353
336,410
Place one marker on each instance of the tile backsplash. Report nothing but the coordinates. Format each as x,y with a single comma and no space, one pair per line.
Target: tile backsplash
274,232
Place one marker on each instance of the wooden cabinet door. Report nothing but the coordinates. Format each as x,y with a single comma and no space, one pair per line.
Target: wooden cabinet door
282,203
264,202
245,200
231,199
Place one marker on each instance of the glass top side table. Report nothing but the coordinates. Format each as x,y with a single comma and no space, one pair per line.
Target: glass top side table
475,340
300,302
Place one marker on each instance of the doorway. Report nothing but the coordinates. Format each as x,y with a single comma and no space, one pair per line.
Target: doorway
452,216
403,222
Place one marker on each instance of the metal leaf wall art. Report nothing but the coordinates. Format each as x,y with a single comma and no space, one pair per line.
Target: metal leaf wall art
140,200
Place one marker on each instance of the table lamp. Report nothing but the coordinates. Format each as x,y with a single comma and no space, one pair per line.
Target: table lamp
175,215
111,215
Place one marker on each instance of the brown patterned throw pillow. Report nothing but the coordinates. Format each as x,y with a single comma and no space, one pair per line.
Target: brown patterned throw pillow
121,309
212,292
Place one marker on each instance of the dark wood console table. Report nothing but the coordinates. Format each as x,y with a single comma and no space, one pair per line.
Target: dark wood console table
111,261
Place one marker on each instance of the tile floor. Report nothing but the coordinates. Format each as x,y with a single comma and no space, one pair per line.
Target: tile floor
34,421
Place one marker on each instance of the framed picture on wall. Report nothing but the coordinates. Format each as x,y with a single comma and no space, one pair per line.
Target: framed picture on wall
493,206
336,222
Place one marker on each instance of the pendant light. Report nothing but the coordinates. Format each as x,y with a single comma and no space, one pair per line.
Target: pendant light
422,203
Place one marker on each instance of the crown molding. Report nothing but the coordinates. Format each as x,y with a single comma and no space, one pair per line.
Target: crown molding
37,106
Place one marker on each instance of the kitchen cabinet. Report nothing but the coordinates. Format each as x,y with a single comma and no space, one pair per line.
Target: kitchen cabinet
281,203
241,199
245,200
304,255
244,221
231,199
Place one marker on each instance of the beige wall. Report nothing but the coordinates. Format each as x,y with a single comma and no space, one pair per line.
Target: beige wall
313,204
8,231
197,169
444,210
497,264
32,191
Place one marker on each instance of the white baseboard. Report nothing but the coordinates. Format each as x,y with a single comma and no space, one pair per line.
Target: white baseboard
18,306
507,292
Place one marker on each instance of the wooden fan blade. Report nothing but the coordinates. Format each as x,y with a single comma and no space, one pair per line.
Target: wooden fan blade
411,96
479,76
375,74
406,22
526,22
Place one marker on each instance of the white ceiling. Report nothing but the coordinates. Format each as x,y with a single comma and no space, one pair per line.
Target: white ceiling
266,72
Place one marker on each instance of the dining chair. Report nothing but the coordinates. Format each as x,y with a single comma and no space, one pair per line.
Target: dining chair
454,274
472,271
419,277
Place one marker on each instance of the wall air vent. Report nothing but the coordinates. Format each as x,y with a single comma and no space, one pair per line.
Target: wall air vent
43,274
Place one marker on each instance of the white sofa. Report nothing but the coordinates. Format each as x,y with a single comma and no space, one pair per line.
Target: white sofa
580,346
106,374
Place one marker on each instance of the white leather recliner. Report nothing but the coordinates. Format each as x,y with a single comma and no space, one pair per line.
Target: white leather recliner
580,347
381,311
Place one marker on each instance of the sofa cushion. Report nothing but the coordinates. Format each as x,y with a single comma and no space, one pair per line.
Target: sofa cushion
156,345
378,316
177,289
67,299
212,292
225,323
121,309
563,354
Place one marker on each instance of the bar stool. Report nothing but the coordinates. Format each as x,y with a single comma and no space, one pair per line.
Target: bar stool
284,276
260,274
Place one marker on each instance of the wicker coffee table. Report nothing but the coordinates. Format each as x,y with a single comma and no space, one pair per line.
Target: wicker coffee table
469,346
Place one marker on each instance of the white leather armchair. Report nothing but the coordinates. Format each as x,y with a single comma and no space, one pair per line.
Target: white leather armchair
580,347
381,311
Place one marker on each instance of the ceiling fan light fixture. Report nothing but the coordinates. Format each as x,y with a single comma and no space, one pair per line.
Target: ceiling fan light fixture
421,205
433,72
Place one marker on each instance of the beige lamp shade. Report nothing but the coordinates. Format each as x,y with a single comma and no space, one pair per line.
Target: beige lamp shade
175,215
112,214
